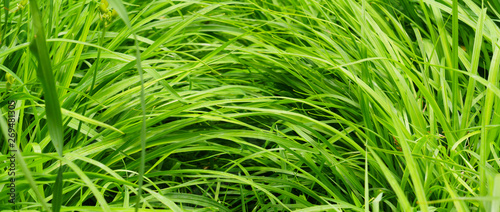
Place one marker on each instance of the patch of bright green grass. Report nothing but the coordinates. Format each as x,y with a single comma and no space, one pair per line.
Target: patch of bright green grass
249,105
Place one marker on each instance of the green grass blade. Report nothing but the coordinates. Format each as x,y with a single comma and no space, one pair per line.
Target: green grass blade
486,118
478,40
454,62
98,195
24,167
402,198
44,73
495,205
122,12
58,197
6,4
89,120
53,110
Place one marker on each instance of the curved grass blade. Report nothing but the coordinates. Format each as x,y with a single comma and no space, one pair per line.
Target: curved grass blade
122,12
53,109
44,73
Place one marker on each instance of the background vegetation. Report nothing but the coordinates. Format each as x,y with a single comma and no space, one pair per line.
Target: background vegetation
254,105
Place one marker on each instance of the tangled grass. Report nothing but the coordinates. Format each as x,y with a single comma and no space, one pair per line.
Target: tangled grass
252,105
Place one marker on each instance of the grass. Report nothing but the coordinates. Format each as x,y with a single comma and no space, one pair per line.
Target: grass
296,105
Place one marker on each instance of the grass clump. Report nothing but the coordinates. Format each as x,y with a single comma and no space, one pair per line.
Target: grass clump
257,105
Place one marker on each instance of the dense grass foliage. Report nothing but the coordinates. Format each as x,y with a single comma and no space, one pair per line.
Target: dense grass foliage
255,105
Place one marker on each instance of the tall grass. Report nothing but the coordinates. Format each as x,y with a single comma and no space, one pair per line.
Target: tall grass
294,105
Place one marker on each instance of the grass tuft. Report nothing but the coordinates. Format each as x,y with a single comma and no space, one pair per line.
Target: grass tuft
266,105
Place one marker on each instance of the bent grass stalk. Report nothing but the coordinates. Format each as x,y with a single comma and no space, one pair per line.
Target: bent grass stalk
52,108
